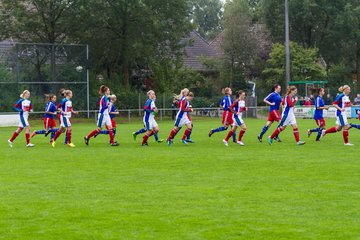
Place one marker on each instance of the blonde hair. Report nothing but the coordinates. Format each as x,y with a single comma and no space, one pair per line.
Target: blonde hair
226,90
191,94
150,92
342,88
182,93
23,93
62,92
67,92
112,97
290,89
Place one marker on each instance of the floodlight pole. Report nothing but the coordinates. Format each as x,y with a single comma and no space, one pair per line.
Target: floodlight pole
87,82
287,42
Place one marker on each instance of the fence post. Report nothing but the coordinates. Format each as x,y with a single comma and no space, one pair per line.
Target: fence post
139,104
129,117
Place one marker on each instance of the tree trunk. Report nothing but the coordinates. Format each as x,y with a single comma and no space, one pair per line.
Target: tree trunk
125,71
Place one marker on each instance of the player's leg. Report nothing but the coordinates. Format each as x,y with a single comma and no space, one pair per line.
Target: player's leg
241,134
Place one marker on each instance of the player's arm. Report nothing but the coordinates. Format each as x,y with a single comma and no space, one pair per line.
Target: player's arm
266,100
336,104
232,107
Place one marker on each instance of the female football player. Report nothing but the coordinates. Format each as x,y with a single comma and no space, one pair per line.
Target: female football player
288,116
23,106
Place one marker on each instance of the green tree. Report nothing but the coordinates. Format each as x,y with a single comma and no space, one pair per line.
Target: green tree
207,16
304,64
239,42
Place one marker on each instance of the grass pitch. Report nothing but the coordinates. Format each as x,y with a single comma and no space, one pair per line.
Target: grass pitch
201,191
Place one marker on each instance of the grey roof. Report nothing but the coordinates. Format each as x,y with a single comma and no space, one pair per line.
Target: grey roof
195,48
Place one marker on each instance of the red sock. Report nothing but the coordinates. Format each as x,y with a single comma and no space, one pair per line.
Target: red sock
231,132
296,134
241,134
57,134
146,137
14,136
27,137
186,133
172,133
277,131
111,134
93,133
68,134
331,130
346,136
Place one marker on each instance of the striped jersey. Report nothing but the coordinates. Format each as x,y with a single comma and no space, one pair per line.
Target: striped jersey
319,102
342,101
149,109
238,107
104,105
50,107
274,97
289,103
66,107
23,106
226,103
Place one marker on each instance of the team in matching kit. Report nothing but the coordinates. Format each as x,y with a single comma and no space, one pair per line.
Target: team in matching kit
232,117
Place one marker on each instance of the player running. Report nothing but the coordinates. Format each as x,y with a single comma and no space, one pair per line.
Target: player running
23,106
150,123
182,117
66,110
274,100
112,113
103,117
288,116
237,108
342,101
227,119
318,114
49,118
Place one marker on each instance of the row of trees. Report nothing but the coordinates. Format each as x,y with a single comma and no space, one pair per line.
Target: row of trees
128,36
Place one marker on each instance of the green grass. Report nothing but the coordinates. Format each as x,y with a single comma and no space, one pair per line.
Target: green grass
201,191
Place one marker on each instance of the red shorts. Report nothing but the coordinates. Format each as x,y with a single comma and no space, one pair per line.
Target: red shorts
227,118
321,123
274,116
49,123
113,123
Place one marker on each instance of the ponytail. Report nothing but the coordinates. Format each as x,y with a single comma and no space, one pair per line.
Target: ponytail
290,89
49,96
275,87
103,89
62,92
226,90
342,88
182,93
23,93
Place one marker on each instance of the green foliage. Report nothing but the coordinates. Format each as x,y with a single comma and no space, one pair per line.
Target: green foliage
304,64
207,16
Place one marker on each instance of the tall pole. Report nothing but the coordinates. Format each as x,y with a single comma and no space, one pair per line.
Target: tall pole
287,43
87,83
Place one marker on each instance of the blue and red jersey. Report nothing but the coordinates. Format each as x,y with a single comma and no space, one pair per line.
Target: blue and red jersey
342,101
149,109
50,107
289,103
184,107
112,109
274,97
319,102
104,105
226,103
23,106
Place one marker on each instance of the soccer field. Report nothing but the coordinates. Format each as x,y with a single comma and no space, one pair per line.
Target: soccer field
201,191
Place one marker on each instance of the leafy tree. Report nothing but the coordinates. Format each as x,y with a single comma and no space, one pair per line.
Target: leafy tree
239,42
304,66
207,16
